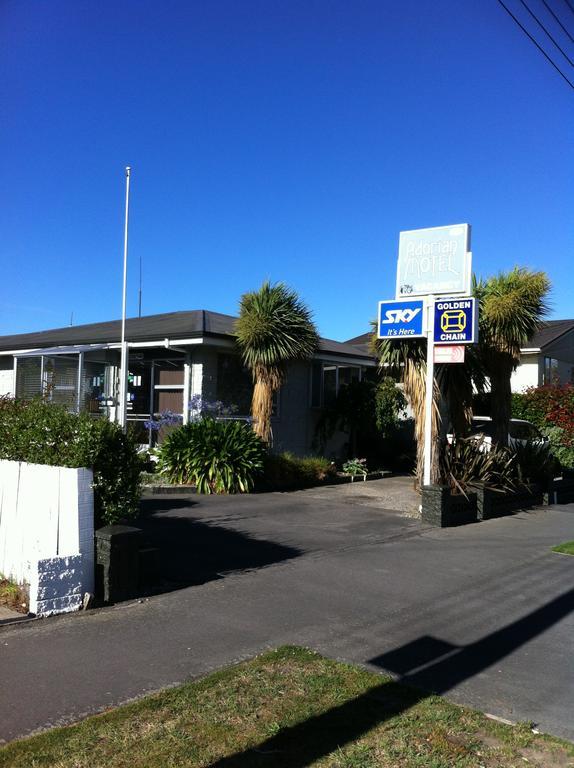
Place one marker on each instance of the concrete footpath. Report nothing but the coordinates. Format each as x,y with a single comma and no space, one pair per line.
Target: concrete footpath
483,614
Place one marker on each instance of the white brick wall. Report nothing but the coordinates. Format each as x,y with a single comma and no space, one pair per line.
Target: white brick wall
47,533
527,374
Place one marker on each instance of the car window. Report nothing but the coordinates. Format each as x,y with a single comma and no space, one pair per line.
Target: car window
482,428
519,430
535,434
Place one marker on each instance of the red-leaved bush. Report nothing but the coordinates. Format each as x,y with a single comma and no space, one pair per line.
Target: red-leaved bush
551,409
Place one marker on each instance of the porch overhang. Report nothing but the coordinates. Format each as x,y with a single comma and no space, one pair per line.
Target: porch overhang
73,349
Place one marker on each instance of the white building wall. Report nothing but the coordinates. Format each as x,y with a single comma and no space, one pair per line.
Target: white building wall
47,533
6,377
527,374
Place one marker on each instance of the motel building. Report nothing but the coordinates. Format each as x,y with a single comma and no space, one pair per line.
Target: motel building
172,358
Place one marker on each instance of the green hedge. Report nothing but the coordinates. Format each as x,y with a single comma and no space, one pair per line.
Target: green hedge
551,409
286,472
41,433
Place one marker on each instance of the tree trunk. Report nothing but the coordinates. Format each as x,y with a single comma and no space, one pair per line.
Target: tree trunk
261,408
414,380
501,397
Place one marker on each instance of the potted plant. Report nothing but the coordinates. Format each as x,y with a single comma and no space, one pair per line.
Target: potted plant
355,468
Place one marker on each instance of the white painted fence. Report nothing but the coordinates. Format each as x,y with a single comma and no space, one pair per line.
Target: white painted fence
47,533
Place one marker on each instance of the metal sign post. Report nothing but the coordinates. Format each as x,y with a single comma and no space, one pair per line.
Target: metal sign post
429,392
432,263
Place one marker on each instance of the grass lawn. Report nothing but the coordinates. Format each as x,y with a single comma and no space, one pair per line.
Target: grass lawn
293,708
566,549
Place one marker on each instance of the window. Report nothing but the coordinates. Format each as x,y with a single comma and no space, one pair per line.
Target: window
551,374
316,382
348,374
28,377
482,427
54,378
330,388
235,385
95,385
519,430
327,380
522,430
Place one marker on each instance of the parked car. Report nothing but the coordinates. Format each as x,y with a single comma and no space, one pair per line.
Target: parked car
520,432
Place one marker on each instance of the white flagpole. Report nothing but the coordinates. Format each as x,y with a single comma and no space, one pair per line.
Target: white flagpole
124,347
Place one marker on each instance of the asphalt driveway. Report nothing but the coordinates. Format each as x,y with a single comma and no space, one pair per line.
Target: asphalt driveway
483,613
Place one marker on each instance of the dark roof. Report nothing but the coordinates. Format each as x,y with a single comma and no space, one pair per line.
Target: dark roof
548,332
362,342
342,348
172,325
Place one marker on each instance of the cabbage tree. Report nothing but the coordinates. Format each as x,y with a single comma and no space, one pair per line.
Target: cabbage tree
406,358
512,306
274,329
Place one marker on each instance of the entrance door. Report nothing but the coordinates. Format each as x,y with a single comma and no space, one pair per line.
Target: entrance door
168,387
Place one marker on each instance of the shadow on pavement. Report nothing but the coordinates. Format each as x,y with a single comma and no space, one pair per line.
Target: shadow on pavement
189,551
425,664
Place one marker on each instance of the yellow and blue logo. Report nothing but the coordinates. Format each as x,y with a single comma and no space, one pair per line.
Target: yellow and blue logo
455,321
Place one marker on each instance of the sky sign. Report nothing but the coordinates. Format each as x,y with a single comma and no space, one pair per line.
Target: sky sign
455,321
434,261
402,319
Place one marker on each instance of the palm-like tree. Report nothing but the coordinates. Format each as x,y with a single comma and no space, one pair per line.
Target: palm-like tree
407,359
274,328
453,389
458,384
512,305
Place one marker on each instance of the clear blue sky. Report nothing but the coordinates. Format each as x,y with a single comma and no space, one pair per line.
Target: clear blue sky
281,139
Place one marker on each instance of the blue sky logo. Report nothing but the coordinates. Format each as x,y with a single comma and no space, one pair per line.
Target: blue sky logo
400,315
400,319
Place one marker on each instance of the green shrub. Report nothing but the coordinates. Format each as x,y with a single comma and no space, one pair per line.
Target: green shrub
117,470
561,445
390,406
41,433
216,456
286,472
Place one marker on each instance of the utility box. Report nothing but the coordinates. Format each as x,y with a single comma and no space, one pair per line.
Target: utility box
117,563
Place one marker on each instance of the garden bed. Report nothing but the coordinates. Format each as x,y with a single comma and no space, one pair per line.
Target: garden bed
13,596
492,503
444,509
166,488
561,490
339,479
